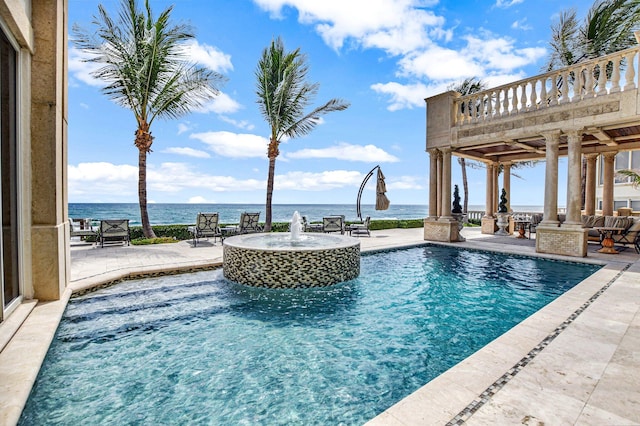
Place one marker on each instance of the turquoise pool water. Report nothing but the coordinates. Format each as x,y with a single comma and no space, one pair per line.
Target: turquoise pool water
197,349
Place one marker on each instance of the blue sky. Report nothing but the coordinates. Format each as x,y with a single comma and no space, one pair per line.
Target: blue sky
382,56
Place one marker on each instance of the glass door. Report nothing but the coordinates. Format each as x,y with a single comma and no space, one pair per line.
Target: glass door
9,170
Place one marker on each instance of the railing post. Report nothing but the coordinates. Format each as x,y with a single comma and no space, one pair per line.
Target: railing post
505,101
544,100
630,72
615,76
534,95
514,100
602,78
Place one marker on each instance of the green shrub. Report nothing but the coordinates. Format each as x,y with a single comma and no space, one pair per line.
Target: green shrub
181,232
147,241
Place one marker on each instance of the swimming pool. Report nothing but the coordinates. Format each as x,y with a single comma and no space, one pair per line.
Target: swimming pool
197,349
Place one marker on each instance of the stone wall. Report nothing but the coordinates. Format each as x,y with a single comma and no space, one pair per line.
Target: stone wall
562,241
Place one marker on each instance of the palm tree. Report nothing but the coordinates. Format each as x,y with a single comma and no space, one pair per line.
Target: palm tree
145,68
633,174
283,94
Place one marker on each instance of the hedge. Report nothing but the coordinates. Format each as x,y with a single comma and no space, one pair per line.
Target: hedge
180,232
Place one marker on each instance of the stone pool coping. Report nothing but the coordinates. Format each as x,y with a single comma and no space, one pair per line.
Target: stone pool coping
28,332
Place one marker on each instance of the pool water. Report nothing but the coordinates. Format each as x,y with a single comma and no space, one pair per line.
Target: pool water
198,349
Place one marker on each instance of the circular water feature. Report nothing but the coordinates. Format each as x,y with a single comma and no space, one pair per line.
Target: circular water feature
283,260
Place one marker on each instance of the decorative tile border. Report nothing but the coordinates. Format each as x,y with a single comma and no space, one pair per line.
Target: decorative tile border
488,393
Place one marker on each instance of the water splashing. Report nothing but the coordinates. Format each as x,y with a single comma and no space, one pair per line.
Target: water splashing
296,226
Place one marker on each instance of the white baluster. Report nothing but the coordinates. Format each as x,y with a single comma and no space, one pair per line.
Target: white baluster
565,87
577,85
602,78
496,109
534,95
544,99
505,102
615,76
514,100
524,103
482,115
630,72
588,81
490,105
554,90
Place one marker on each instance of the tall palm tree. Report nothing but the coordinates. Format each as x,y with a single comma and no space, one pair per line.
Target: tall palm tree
145,68
283,94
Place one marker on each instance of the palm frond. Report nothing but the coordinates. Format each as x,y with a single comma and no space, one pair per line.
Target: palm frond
633,174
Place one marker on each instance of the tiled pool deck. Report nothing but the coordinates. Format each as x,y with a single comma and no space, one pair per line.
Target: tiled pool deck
576,361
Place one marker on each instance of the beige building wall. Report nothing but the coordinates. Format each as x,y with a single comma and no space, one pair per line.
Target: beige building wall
38,31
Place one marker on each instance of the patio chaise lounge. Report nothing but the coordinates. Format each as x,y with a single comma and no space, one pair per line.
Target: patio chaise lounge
114,230
206,227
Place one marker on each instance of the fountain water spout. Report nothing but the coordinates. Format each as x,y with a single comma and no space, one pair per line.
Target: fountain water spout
296,226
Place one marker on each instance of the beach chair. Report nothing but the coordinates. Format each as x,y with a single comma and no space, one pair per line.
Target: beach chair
206,227
333,224
114,230
358,229
81,228
249,223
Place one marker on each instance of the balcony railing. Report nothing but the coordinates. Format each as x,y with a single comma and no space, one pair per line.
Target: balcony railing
597,77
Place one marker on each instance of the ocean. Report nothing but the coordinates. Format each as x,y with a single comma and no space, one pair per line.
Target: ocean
168,214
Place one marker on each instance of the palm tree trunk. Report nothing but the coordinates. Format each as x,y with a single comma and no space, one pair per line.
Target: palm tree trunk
465,185
272,170
142,194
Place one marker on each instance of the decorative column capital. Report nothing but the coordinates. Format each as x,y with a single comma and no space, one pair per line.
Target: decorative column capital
609,155
552,137
591,156
574,135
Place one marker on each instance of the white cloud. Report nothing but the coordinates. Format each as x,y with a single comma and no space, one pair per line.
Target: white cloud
521,25
507,3
241,124
221,104
402,96
82,70
184,127
500,53
438,63
87,179
344,151
189,152
208,56
199,200
396,26
235,145
307,181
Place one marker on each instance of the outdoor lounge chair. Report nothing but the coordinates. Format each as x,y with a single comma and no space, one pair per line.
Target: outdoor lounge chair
333,224
358,229
206,226
81,228
114,230
249,223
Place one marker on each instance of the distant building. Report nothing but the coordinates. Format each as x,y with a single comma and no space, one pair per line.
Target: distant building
624,193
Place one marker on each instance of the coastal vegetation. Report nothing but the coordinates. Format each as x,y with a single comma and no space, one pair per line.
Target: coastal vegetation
283,95
144,64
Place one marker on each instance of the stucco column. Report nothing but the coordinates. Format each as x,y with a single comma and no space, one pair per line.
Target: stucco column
489,198
439,183
607,184
506,182
446,184
433,184
574,179
590,185
552,140
48,110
